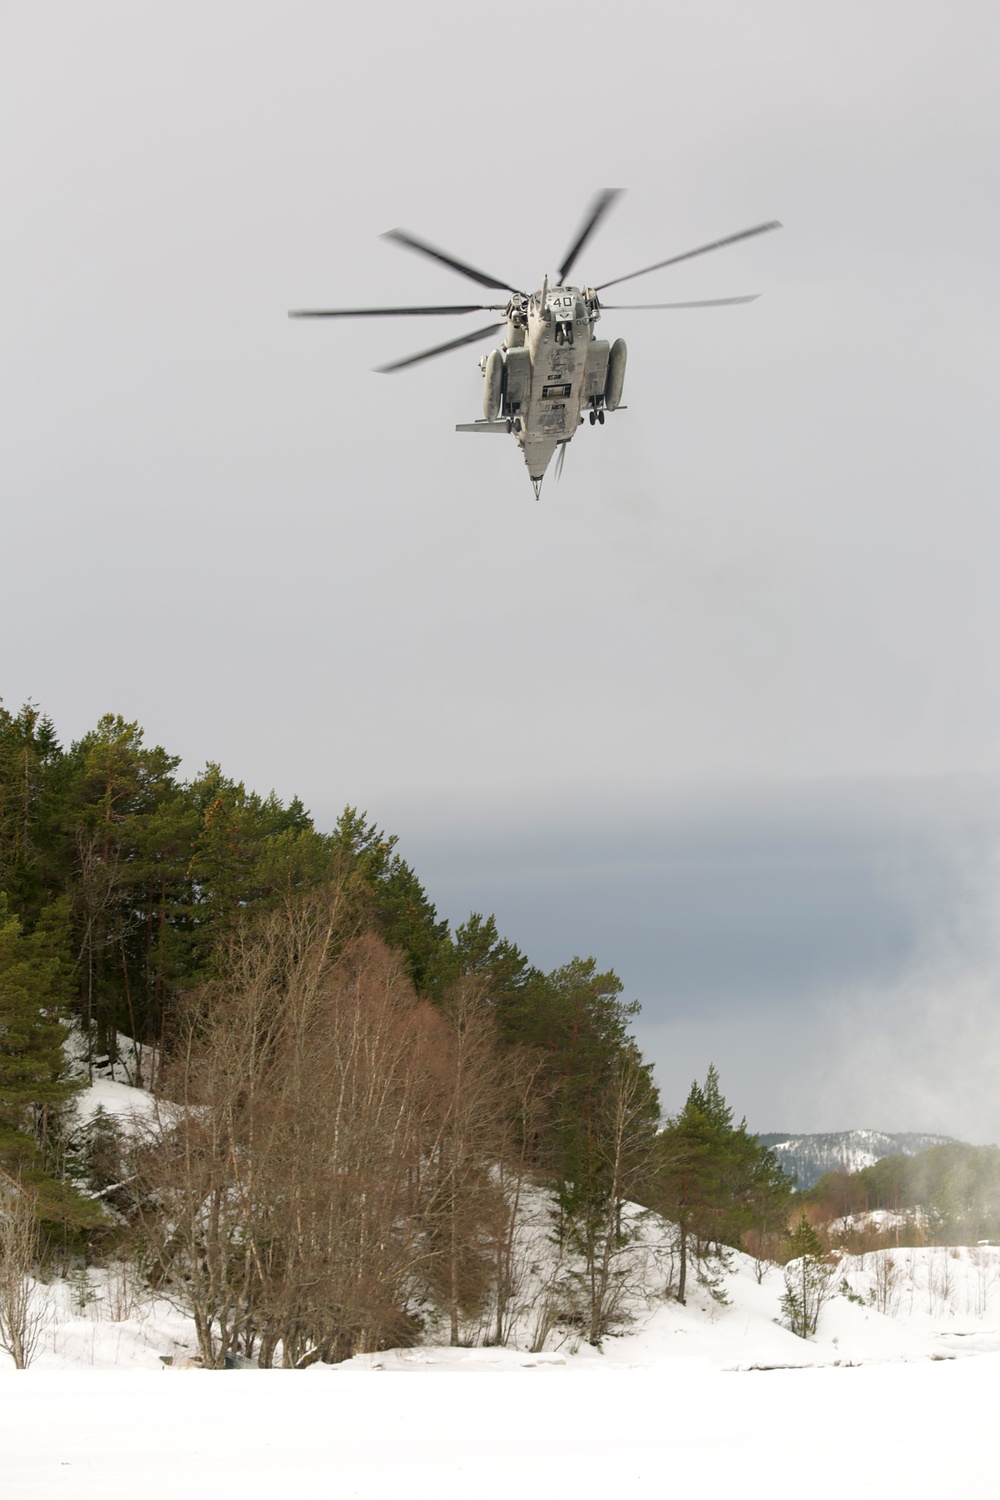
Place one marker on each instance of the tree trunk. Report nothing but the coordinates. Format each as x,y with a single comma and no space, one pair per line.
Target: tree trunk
682,1281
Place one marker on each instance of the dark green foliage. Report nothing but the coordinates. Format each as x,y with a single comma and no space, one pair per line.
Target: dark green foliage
400,910
34,1085
66,1213
30,764
575,1016
507,975
717,1183
155,872
32,1065
804,1241
115,857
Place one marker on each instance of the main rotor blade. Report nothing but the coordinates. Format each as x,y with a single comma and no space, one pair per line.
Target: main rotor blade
730,239
410,242
414,359
392,312
654,306
595,214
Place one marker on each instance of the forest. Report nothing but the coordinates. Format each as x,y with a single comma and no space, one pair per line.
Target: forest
946,1195
353,1104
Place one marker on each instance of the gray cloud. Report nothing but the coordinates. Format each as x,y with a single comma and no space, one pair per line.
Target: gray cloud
832,947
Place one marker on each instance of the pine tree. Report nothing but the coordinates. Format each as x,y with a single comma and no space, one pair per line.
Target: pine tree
613,1169
694,1151
115,785
32,1030
34,1083
808,1280
30,764
400,910
576,1017
501,966
715,1182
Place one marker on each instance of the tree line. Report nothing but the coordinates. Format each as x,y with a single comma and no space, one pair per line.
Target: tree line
948,1194
353,1101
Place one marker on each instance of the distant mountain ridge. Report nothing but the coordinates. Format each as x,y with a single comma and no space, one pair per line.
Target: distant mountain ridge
807,1157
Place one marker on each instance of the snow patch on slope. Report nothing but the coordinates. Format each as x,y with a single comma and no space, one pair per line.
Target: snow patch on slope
942,1303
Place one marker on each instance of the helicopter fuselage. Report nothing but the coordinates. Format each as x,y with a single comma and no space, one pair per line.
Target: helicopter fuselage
549,372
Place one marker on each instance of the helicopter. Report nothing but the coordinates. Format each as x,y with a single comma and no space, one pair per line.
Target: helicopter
551,367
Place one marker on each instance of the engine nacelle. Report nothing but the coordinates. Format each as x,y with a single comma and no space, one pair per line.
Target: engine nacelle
493,394
517,380
595,377
616,375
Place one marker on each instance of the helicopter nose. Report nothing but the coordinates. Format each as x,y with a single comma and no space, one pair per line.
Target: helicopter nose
538,455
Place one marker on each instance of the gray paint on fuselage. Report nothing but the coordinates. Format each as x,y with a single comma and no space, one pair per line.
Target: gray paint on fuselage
552,413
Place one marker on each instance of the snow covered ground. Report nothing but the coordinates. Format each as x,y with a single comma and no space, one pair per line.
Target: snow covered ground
675,1426
939,1304
718,1397
897,1395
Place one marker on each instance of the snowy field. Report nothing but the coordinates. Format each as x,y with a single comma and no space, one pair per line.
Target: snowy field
900,1402
913,1430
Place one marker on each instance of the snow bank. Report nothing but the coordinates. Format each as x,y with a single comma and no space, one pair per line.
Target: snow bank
907,1305
118,1099
679,1427
112,1086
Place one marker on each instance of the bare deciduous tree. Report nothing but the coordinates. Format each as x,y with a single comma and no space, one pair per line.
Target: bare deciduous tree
22,1314
296,1190
886,1288
526,1090
468,1208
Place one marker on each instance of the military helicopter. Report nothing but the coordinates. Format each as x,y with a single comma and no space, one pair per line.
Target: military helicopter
551,366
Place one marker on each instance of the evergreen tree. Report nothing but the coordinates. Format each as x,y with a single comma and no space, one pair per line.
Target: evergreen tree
115,786
33,1076
34,1082
400,910
504,969
234,864
30,760
612,1165
693,1151
715,1181
808,1280
517,993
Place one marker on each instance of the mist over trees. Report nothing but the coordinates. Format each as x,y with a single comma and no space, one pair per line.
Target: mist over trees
948,1194
353,1103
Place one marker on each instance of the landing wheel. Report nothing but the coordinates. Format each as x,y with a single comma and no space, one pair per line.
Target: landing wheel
600,417
593,419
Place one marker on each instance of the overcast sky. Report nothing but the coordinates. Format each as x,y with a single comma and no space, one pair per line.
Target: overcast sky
724,707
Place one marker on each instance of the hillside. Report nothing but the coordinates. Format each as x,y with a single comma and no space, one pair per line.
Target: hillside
808,1157
936,1303
928,1302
